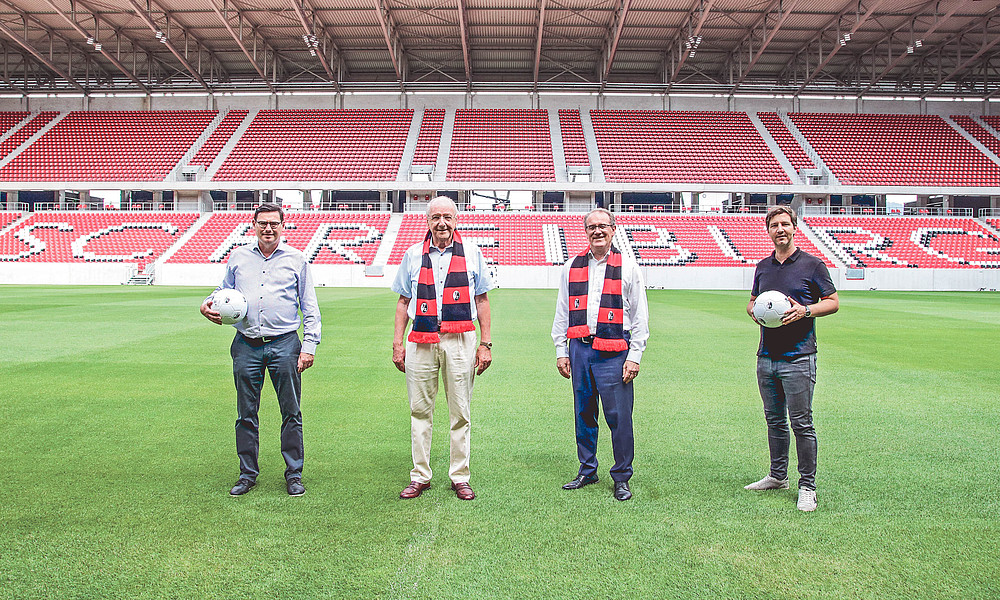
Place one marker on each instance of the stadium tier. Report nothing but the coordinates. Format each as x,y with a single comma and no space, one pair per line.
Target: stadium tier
429,139
29,129
574,144
326,238
110,146
902,150
916,242
210,149
320,145
9,119
683,147
993,121
785,140
977,131
501,145
654,240
8,217
68,237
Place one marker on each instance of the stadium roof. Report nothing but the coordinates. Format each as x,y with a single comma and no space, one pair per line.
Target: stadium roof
870,48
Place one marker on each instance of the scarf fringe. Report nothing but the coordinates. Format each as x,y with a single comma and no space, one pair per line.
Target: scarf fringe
609,345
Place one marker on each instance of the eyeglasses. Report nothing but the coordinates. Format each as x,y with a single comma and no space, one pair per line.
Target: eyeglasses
271,224
601,226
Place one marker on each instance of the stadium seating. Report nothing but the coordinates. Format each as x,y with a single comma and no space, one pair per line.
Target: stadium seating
8,217
213,145
110,146
874,149
914,242
320,145
8,119
83,236
574,144
993,121
786,142
501,145
977,131
429,139
683,147
655,240
326,237
30,128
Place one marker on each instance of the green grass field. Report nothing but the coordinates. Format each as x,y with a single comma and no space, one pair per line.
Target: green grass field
117,452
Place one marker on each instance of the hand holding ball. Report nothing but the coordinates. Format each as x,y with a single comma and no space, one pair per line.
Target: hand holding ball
770,307
231,305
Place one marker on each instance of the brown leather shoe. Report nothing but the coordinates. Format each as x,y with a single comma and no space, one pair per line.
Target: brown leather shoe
463,491
414,489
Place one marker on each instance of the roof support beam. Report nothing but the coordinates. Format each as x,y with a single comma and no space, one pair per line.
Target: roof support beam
239,42
767,41
965,64
614,36
148,20
840,43
97,44
694,37
311,35
391,38
538,41
902,56
40,57
464,31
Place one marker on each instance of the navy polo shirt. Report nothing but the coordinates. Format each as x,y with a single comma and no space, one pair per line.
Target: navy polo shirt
806,280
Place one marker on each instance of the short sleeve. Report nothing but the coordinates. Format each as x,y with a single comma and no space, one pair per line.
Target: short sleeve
402,284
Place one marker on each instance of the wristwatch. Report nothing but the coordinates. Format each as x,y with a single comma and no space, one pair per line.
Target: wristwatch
808,311
489,345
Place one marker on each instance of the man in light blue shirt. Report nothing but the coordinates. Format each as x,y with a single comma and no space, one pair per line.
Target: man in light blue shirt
276,281
442,284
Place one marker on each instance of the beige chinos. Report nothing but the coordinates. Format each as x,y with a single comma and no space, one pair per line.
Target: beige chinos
453,359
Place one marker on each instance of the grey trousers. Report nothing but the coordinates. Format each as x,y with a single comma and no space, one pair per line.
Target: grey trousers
280,358
786,387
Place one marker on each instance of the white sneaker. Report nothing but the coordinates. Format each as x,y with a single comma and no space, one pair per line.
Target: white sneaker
768,483
807,500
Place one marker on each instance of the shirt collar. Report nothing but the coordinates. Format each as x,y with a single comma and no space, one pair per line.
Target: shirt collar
791,258
256,248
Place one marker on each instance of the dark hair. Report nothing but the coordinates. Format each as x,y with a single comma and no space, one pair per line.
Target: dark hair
269,207
781,210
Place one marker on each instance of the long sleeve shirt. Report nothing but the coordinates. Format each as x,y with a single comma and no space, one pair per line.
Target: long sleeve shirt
277,289
636,313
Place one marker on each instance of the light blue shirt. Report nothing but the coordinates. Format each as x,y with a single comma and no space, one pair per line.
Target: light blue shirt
408,274
277,288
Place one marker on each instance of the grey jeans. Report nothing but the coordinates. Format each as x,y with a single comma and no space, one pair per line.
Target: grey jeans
786,387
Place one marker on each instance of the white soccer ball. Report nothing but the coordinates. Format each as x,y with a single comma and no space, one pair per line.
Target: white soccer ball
769,307
231,305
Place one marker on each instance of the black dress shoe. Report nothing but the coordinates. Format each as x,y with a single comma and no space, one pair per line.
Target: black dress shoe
242,486
295,487
580,481
621,490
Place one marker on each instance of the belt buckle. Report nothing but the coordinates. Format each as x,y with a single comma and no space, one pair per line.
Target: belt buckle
587,339
266,339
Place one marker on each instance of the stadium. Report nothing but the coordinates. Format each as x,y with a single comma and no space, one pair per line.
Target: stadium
137,137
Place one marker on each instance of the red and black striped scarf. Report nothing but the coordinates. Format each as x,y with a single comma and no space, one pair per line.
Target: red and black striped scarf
456,312
610,334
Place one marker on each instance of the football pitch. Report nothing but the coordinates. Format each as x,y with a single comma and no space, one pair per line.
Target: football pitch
117,453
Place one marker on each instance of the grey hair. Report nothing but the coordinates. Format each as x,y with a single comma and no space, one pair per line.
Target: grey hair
441,199
599,210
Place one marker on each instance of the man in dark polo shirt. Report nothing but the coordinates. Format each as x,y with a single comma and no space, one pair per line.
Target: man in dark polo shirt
786,357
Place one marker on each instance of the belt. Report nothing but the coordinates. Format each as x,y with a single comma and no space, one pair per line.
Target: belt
587,340
267,339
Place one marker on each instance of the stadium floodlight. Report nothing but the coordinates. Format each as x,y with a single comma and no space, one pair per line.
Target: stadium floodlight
90,40
98,46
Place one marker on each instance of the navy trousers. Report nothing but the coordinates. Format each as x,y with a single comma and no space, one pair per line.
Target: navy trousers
597,373
280,358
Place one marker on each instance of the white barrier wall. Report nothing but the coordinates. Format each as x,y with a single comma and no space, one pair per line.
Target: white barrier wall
538,277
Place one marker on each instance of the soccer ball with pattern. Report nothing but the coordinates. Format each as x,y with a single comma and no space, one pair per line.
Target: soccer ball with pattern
769,307
231,305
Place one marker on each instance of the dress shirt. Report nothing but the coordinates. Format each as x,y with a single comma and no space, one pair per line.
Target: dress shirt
636,313
408,274
276,289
